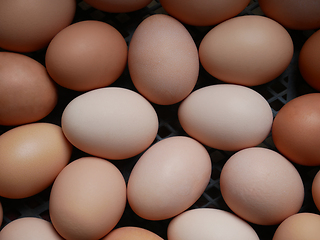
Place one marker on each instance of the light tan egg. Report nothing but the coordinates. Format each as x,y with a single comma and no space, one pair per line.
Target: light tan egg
29,25
168,178
87,199
247,50
86,55
163,60
118,6
27,93
132,233
29,228
31,156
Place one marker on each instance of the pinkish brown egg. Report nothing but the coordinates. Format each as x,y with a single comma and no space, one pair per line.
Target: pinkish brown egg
132,233
118,6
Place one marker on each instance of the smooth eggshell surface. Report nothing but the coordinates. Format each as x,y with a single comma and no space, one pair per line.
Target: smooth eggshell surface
299,226
246,50
86,55
295,130
316,190
163,60
226,116
309,60
118,6
261,186
87,199
31,156
27,93
132,233
209,224
29,25
168,178
293,14
29,228
203,12
113,123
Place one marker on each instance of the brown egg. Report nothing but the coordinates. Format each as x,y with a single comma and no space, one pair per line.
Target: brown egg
132,233
118,6
261,186
29,25
293,14
316,190
246,50
203,12
29,228
86,55
309,60
295,130
299,226
87,199
163,60
31,156
27,93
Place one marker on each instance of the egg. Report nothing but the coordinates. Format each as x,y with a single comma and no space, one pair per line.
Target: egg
203,12
132,233
295,130
31,156
27,93
29,228
86,55
209,223
247,50
261,186
226,116
168,178
309,61
87,199
299,226
163,60
29,25
113,123
293,14
315,189
118,6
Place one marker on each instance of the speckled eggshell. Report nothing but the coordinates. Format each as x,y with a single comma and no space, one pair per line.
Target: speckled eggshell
118,6
163,60
168,178
132,233
226,116
29,25
203,12
29,228
31,156
87,199
113,123
247,50
261,186
86,55
27,93
208,224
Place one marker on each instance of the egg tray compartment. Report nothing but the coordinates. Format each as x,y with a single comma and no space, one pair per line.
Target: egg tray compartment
287,86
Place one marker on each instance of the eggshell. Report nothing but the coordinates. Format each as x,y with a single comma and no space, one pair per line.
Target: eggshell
293,14
316,190
299,226
208,224
27,93
295,130
86,55
118,6
163,60
247,50
87,199
203,12
261,186
113,123
31,156
132,233
309,60
226,116
29,25
168,178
